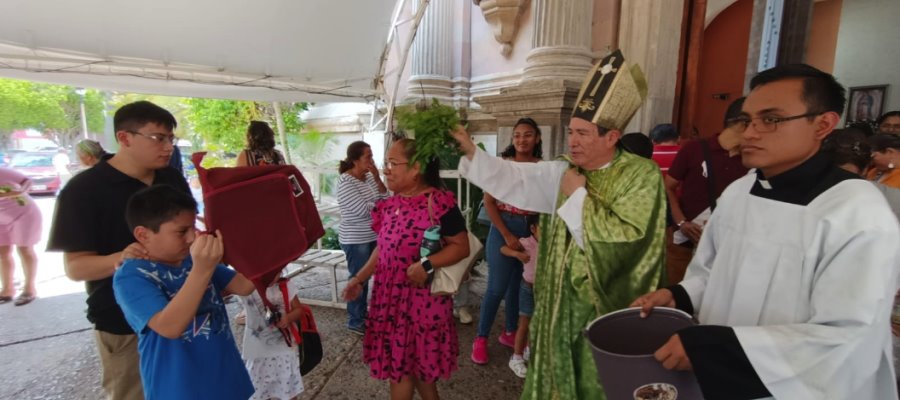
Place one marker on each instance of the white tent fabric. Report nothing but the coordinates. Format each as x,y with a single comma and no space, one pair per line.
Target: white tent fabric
267,50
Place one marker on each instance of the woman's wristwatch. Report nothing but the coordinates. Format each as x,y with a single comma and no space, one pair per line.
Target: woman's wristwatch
426,265
679,224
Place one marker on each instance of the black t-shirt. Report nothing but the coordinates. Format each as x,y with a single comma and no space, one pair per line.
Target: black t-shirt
90,216
452,222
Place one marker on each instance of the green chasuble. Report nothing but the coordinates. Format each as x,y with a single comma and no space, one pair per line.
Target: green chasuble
623,258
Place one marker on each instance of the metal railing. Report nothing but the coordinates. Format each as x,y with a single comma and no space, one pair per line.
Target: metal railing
314,176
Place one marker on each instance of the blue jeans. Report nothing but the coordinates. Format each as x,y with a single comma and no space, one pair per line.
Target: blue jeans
357,255
504,277
526,300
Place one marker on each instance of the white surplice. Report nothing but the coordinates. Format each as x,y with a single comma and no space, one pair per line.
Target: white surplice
807,289
527,186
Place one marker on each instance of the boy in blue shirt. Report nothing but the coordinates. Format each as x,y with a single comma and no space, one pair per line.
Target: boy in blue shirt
172,298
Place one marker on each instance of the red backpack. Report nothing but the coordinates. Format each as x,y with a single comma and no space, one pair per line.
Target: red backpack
267,216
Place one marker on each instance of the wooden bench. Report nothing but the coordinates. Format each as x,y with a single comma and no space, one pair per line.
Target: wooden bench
331,260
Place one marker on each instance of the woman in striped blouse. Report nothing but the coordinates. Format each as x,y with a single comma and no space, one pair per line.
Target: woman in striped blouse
358,187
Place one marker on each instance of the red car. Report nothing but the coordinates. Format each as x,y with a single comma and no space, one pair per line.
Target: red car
39,167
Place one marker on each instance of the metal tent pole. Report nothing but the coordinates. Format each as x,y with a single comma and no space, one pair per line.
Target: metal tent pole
379,77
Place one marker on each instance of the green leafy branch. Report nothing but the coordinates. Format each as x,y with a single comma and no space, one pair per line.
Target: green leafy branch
431,126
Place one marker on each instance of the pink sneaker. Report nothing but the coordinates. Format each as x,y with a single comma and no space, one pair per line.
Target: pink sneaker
508,339
479,351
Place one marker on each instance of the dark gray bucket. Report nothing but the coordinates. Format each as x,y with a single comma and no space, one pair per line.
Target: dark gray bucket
623,344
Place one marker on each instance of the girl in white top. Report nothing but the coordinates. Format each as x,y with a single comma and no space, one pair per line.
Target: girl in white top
274,366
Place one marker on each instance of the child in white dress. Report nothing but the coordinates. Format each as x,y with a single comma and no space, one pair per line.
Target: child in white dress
274,366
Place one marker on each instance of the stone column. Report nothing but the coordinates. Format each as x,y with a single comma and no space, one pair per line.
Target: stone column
555,67
431,65
561,41
650,36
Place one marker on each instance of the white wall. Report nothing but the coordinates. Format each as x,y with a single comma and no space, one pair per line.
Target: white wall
866,47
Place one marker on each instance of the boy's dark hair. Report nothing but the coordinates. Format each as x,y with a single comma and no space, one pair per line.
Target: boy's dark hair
821,92
733,111
153,206
134,116
848,146
886,116
538,150
663,133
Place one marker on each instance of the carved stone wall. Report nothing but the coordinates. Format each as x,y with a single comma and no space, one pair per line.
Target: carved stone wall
503,17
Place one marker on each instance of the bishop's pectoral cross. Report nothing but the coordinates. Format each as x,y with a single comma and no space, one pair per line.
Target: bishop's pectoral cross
606,69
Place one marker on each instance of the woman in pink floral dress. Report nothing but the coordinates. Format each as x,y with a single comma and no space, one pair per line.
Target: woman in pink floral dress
410,335
20,228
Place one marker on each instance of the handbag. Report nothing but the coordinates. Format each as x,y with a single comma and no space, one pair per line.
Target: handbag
483,217
278,220
262,239
306,335
446,280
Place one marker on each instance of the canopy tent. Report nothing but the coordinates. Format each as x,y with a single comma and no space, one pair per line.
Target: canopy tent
265,50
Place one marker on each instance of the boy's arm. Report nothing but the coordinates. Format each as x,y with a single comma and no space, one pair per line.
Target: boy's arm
175,317
206,252
240,286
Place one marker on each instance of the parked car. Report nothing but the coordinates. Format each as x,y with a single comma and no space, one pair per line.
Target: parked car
39,167
6,155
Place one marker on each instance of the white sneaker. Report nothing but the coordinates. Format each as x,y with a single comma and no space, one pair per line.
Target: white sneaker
465,317
518,367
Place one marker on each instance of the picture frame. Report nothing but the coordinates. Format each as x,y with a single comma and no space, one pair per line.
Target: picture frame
865,103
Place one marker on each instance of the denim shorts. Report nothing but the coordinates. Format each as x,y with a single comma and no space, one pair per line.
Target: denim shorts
526,300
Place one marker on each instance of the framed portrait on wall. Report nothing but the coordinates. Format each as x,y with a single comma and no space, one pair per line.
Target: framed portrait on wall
865,103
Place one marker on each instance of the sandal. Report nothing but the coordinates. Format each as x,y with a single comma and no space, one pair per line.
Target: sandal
5,299
24,299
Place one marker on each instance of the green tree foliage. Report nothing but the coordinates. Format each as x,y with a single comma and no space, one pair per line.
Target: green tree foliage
311,148
222,124
218,126
52,109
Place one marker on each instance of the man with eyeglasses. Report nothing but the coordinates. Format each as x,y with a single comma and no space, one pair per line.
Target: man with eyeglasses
794,277
89,227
